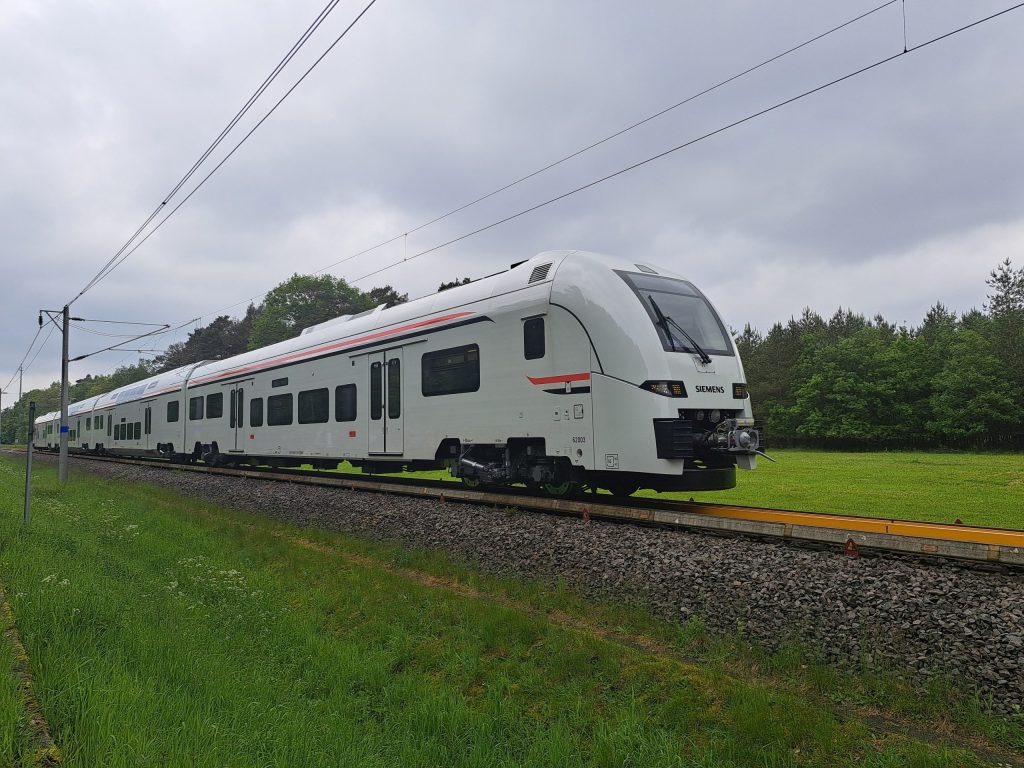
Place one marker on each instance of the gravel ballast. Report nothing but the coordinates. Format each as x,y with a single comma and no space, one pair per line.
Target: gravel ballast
925,618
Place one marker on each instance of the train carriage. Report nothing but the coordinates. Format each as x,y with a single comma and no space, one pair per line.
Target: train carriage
569,368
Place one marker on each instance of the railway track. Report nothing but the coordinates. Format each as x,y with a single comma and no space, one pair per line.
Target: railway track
854,534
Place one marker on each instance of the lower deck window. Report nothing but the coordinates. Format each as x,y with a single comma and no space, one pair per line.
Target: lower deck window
215,405
314,405
279,410
450,371
345,403
256,412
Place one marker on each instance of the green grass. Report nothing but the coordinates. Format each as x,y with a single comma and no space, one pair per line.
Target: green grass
14,741
167,631
980,489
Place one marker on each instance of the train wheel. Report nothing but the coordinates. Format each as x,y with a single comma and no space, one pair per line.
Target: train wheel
472,483
559,490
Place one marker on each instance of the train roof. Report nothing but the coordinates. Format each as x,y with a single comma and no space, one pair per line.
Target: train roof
539,269
160,383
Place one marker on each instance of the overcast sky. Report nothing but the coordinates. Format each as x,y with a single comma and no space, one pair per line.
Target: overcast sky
886,193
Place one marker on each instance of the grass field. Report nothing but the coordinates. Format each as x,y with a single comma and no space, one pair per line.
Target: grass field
980,489
167,631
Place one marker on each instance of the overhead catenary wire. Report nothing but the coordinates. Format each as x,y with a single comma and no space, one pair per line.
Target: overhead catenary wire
49,333
119,345
691,142
216,142
752,116
24,357
93,331
508,185
120,259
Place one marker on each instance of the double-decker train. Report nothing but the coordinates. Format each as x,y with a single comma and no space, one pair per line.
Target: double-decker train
569,368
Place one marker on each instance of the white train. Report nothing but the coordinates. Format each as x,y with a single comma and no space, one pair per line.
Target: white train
569,368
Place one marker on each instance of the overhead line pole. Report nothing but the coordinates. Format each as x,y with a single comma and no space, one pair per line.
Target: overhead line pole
65,329
62,464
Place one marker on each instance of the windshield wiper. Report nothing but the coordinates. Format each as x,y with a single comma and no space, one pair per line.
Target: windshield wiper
664,321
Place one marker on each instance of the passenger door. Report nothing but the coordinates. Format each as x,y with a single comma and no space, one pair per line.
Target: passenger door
386,402
147,423
236,415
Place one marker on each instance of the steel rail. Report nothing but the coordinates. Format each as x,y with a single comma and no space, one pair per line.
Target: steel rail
854,533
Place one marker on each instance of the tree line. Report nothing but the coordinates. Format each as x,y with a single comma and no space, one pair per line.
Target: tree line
853,382
844,382
297,303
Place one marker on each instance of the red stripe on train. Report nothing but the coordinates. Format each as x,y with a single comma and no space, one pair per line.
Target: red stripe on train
559,379
319,350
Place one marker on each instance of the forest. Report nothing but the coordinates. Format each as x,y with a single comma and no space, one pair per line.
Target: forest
845,382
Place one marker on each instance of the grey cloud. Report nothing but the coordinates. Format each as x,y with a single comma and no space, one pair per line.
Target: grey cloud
426,106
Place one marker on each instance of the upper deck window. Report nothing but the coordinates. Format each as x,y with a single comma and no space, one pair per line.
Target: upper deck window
533,338
671,303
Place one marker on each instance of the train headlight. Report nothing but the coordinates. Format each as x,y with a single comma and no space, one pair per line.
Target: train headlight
716,416
665,388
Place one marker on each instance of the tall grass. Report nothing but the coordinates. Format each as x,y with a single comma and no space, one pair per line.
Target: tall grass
166,631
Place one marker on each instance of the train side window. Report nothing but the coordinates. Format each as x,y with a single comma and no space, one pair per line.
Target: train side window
376,391
533,338
345,402
279,410
172,411
256,412
88,423
394,388
450,371
138,430
110,423
99,423
314,406
195,408
148,420
215,405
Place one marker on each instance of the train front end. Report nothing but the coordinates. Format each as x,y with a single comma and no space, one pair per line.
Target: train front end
670,402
